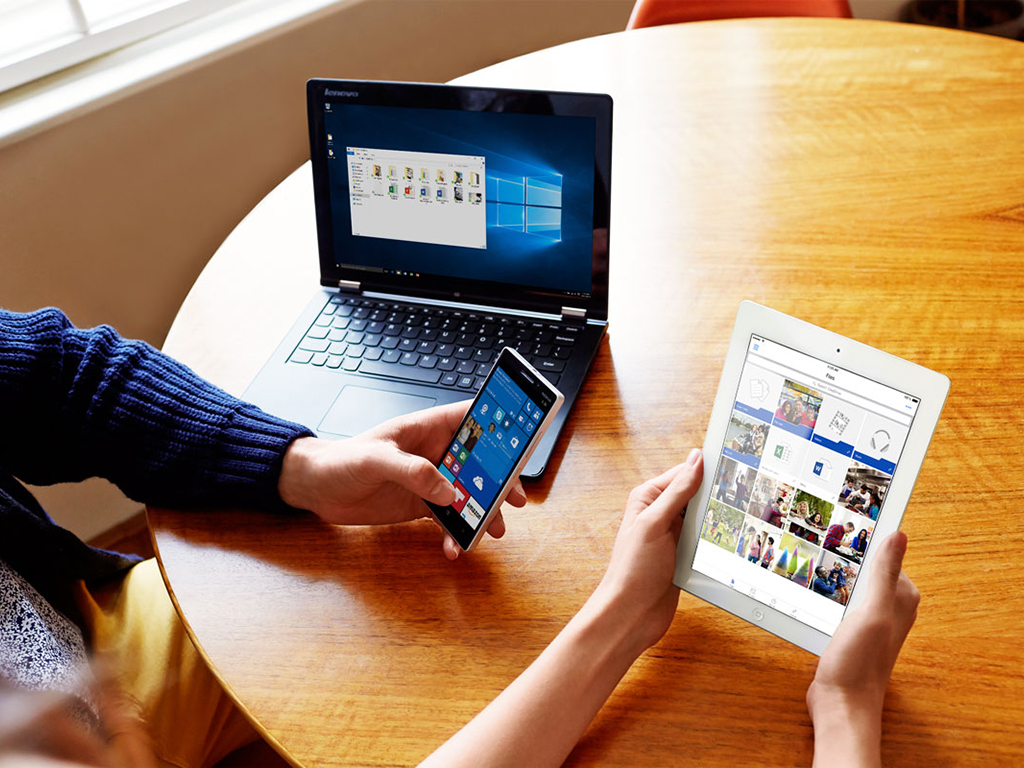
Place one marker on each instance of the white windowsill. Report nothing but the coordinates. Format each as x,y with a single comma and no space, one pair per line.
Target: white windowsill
54,99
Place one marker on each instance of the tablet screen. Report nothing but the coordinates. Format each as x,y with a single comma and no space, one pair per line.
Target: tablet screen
801,481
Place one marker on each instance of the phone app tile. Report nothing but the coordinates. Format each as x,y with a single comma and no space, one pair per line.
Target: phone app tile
529,426
499,415
536,414
456,447
473,513
521,419
461,494
463,455
456,467
446,474
506,423
529,407
448,459
478,480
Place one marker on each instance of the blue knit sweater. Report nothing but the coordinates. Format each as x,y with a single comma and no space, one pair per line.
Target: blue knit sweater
86,403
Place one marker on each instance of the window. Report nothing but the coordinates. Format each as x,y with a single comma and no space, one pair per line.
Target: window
39,37
531,204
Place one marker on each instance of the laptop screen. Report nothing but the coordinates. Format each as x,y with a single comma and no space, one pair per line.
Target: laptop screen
447,195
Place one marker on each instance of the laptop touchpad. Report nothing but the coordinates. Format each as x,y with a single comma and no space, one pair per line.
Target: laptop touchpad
357,409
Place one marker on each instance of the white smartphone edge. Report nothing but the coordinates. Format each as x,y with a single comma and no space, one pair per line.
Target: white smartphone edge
527,454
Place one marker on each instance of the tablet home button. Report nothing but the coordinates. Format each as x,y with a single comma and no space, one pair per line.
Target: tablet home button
758,614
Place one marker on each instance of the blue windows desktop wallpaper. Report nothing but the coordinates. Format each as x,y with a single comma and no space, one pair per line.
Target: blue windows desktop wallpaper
539,183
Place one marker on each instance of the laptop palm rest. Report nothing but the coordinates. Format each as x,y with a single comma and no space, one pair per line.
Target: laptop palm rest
358,409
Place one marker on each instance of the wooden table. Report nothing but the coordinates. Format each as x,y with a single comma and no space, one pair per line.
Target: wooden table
865,176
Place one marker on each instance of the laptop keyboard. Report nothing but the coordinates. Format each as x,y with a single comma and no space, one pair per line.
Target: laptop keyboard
430,345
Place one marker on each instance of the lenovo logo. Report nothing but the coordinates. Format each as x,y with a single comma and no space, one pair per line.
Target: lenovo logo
329,92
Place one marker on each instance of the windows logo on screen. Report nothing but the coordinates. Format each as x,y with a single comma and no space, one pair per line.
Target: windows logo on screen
530,204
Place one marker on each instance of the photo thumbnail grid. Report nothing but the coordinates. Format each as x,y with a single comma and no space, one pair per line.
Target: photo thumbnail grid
762,515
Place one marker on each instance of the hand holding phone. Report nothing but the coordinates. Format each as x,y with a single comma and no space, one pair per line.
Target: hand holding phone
493,443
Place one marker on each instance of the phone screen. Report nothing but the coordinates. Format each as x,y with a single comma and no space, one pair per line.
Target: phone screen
501,424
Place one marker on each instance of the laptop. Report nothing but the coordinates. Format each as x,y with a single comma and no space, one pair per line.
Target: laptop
452,222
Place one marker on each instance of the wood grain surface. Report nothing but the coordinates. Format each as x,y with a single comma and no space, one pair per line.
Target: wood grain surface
867,177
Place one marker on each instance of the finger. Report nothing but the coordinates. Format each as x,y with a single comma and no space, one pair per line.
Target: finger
449,416
517,496
887,566
675,497
648,491
907,600
414,473
497,526
662,481
450,548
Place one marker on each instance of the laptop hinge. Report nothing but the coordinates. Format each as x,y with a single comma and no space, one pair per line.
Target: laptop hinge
573,313
350,286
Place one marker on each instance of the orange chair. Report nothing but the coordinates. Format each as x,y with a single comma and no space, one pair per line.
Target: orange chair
653,13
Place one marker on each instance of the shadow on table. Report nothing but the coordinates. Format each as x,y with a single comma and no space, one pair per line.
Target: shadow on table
396,573
599,393
728,694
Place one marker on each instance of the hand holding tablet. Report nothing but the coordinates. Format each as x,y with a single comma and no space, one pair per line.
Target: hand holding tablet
814,445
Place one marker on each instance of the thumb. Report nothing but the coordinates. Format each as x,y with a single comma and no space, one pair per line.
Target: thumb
674,498
887,566
415,474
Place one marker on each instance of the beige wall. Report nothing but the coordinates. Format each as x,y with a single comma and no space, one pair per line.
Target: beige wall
112,215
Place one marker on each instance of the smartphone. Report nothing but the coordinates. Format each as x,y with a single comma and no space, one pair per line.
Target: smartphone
490,448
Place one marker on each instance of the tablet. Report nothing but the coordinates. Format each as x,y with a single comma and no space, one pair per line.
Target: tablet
812,451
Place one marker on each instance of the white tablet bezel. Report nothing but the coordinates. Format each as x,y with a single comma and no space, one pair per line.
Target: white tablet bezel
929,386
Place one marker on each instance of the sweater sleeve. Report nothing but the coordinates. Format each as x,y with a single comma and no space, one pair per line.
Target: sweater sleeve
78,403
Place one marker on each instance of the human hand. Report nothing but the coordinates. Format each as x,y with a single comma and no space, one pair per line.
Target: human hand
637,585
44,729
846,697
382,475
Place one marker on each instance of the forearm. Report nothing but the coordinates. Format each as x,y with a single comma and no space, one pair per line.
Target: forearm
80,403
846,734
538,719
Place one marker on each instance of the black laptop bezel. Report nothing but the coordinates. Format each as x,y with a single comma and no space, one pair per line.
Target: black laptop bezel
430,96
